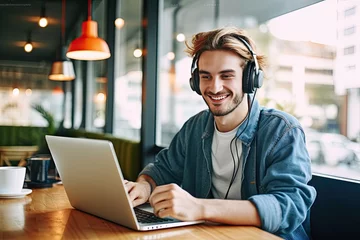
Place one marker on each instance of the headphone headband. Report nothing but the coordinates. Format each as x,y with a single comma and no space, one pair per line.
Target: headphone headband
247,45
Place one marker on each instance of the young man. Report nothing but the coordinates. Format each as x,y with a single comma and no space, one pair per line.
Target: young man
236,163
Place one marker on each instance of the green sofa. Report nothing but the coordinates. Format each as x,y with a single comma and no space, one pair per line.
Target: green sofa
22,135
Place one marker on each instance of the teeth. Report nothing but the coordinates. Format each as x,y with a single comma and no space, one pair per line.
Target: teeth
218,98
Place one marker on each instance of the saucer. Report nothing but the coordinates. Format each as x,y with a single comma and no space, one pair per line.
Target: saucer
21,194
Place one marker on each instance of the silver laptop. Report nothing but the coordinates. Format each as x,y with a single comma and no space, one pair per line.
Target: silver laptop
93,181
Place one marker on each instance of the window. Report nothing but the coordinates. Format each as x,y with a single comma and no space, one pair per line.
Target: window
349,50
306,70
285,68
349,30
350,11
128,73
350,67
20,91
319,71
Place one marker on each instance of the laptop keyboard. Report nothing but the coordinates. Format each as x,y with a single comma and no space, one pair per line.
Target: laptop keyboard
149,217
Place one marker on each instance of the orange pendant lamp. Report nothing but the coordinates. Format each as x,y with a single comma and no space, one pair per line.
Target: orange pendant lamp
62,69
88,46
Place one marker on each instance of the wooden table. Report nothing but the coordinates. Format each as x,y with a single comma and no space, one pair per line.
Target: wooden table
47,214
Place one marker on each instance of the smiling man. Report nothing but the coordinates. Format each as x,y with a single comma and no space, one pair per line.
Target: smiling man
237,162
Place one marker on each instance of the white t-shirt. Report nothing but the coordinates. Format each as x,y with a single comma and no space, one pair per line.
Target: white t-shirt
223,164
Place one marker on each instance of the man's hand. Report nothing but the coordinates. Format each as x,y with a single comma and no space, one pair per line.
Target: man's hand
172,201
139,192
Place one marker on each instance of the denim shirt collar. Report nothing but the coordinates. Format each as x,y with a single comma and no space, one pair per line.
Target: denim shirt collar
246,135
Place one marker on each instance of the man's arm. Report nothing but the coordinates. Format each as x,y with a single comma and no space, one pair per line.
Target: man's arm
147,179
234,212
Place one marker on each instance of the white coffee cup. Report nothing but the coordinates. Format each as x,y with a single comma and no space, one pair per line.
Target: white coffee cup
11,179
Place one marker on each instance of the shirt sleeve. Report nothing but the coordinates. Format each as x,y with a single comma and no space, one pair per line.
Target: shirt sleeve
168,166
285,197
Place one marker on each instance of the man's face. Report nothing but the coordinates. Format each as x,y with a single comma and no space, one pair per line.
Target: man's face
221,80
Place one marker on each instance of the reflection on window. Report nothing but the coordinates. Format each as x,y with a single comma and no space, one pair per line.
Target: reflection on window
351,67
308,75
24,85
349,12
319,71
128,74
349,30
349,50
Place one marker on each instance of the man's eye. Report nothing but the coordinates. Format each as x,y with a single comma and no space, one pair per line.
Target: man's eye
227,76
205,77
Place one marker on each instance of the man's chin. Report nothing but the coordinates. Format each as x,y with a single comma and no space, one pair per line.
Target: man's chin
218,113
221,112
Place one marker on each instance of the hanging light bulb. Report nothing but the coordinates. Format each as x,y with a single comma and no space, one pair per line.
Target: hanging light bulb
170,56
62,69
28,45
28,92
180,37
16,91
43,22
119,23
88,46
100,97
137,52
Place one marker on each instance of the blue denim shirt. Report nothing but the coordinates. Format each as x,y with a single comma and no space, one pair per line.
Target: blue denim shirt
276,167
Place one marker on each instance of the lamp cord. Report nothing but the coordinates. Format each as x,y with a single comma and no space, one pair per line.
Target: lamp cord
63,23
89,10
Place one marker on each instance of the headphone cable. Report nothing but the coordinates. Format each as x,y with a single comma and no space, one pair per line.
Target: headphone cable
236,148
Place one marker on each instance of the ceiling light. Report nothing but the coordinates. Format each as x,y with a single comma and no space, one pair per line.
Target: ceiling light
28,46
62,69
43,22
28,92
88,46
137,52
15,91
180,37
119,23
170,55
100,97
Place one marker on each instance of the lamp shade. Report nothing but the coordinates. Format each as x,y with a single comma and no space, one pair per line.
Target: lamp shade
88,46
62,69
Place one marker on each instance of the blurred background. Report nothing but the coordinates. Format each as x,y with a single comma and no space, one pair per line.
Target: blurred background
313,72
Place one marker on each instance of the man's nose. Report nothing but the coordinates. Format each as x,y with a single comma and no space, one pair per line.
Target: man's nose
216,85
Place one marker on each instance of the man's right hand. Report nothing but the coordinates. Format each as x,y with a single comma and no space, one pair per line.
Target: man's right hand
139,191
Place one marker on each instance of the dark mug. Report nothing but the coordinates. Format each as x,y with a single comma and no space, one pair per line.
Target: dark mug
38,167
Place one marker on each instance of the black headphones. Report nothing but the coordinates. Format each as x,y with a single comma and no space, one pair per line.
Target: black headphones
252,75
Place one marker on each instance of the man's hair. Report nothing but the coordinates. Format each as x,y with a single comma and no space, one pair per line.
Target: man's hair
224,39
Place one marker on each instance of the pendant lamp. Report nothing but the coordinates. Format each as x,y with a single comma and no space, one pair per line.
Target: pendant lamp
62,69
88,46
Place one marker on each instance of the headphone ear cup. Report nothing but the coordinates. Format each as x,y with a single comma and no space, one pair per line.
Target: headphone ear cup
194,81
259,79
248,77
